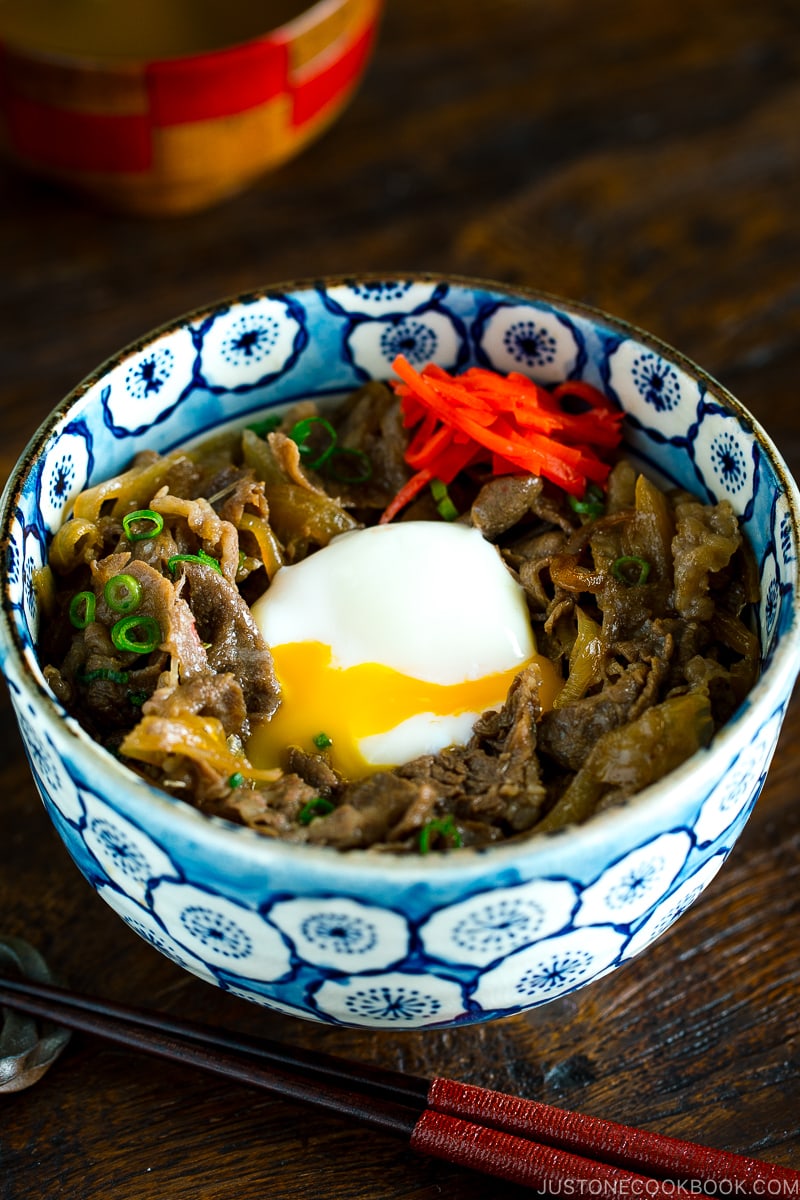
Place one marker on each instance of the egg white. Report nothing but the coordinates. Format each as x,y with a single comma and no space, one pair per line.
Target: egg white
429,601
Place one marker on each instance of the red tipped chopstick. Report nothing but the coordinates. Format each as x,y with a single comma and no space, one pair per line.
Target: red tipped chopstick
510,1138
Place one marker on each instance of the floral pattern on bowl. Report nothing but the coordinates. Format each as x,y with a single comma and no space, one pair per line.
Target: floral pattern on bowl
356,938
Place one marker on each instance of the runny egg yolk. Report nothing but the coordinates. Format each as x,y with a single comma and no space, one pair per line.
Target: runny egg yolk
389,643
365,701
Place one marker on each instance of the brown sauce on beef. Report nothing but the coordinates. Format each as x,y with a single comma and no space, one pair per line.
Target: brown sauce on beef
654,660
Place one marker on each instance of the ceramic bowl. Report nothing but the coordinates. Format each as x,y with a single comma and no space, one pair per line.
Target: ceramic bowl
174,134
361,938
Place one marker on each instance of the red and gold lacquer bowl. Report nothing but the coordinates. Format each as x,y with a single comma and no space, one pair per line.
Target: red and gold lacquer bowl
180,133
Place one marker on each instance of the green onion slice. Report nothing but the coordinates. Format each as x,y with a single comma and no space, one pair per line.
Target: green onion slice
200,557
444,505
592,504
123,593
631,570
359,472
322,741
301,432
137,699
445,827
81,609
103,673
139,634
236,780
318,807
265,426
153,524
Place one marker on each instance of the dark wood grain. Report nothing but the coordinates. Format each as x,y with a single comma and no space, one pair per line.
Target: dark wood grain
641,157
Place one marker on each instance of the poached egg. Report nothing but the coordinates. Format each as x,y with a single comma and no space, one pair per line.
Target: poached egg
389,643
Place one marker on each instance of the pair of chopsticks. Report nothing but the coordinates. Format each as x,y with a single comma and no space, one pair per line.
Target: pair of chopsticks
522,1141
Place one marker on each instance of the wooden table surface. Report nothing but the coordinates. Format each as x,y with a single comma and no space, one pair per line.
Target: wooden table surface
643,157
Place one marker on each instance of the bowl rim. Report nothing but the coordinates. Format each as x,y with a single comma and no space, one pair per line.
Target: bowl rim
779,673
111,64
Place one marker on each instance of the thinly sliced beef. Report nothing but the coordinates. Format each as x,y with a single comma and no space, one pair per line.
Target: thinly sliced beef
234,642
502,783
108,685
491,787
209,695
642,609
271,809
503,502
367,811
706,538
162,600
218,536
240,490
568,734
314,769
371,423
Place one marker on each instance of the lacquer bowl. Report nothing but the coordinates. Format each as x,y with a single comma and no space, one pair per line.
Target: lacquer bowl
175,134
363,938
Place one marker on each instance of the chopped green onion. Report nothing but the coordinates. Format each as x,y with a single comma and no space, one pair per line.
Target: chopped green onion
123,593
631,570
341,462
200,557
592,504
445,827
300,434
236,780
148,629
267,425
322,741
444,505
81,609
103,673
318,807
154,520
362,465
137,699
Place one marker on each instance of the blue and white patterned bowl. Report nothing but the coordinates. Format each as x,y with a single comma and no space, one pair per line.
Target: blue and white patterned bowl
361,938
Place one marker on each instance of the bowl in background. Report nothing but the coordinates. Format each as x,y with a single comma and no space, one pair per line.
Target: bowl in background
170,106
361,937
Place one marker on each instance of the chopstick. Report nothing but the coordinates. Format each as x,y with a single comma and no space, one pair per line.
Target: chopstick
522,1141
